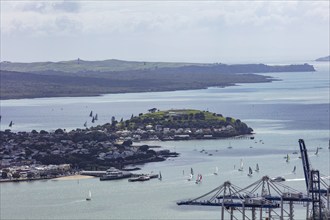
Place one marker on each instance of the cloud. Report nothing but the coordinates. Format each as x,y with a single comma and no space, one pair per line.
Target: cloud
49,6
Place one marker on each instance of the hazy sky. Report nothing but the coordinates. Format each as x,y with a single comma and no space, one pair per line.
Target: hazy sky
190,31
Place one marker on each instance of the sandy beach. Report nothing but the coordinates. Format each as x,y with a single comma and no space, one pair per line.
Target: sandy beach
74,177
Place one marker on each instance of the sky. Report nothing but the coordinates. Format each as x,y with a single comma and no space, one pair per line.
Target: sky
169,31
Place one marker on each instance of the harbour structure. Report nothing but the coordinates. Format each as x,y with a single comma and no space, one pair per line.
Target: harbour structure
269,198
316,188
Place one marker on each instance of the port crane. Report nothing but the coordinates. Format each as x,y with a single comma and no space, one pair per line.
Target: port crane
265,197
316,187
273,200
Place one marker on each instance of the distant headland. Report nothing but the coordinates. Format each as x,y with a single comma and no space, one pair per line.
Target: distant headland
324,59
92,78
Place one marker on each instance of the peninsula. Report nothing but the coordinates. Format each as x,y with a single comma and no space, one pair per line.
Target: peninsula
46,154
92,78
323,59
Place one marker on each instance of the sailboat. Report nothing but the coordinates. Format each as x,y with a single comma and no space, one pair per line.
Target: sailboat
287,158
91,114
294,169
191,174
317,151
93,119
199,178
257,168
85,124
96,118
11,123
89,197
250,172
216,171
241,166
160,176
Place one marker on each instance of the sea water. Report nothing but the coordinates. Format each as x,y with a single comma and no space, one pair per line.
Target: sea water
296,106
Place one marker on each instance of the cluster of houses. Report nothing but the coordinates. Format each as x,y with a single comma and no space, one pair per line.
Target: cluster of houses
157,132
34,171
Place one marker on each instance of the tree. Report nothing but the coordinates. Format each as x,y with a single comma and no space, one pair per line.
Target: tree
152,110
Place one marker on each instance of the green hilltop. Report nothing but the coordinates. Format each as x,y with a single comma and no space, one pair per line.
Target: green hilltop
195,123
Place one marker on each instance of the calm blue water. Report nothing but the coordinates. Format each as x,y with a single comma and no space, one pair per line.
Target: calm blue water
280,112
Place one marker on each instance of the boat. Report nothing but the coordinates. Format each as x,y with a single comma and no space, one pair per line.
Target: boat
191,171
160,176
199,178
91,114
85,124
93,119
294,169
190,177
11,124
96,118
257,168
241,166
317,151
89,197
287,158
229,147
250,172
278,179
139,178
216,171
115,174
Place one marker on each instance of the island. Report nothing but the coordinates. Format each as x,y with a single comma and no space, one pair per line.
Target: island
323,59
93,78
43,154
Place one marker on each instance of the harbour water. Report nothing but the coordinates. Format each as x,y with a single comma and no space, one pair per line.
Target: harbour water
281,112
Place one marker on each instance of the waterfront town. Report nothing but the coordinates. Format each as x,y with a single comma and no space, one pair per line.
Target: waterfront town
44,155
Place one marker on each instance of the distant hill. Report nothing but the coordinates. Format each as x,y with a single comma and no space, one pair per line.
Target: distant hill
91,78
327,59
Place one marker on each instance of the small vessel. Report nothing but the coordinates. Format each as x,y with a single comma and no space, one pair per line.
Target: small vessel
216,171
96,118
139,178
93,119
89,197
199,178
317,151
11,124
85,124
190,177
91,114
241,166
278,179
257,168
250,172
287,158
160,176
294,169
229,147
191,171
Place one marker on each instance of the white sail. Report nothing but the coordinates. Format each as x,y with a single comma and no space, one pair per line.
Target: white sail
241,166
216,171
89,197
